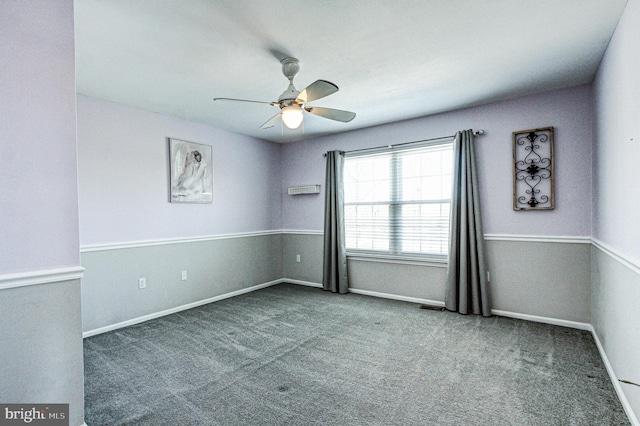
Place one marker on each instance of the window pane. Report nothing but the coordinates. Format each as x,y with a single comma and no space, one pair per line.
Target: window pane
425,228
425,175
432,188
412,189
367,179
411,166
367,227
432,164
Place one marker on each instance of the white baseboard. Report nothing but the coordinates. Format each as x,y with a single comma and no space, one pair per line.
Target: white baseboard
545,320
614,380
300,282
371,293
396,297
155,315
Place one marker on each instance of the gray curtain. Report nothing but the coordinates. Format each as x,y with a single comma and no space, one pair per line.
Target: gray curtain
467,289
334,275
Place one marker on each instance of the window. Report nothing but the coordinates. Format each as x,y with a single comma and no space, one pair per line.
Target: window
397,201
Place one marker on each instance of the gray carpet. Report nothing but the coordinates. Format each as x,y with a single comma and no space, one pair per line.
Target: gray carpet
293,355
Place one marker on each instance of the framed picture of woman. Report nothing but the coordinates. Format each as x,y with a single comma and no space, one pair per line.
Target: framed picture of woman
191,172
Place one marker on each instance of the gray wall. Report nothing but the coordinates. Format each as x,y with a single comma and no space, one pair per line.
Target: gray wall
397,280
310,248
541,278
41,351
215,267
40,319
616,222
549,280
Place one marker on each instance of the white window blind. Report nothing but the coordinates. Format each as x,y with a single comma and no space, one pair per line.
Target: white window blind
397,201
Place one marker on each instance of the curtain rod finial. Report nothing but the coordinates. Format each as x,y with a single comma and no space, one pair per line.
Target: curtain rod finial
479,132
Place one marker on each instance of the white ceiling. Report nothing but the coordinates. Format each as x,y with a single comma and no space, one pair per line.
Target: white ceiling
392,60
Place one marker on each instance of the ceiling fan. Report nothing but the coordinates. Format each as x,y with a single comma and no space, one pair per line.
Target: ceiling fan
292,102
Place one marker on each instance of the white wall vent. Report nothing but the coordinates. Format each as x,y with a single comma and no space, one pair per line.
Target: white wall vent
304,189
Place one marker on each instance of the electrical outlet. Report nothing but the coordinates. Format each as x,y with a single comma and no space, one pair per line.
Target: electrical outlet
298,258
184,275
142,283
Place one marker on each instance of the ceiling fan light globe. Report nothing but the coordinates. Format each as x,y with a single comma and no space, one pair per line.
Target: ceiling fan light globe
292,116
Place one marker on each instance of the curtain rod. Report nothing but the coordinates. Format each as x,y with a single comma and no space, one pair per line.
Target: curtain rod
476,133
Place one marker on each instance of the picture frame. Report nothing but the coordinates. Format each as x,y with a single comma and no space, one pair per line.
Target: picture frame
533,169
191,172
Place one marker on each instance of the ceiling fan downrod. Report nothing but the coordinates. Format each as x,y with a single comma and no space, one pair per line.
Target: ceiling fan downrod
290,68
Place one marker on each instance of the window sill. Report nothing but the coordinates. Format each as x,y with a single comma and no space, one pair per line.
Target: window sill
440,261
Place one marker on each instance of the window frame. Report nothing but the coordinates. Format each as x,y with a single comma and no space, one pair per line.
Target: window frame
395,203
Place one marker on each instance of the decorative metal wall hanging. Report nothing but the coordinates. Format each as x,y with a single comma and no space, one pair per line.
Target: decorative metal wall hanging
533,169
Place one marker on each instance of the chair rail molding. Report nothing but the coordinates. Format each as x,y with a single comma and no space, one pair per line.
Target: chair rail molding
630,263
47,276
164,241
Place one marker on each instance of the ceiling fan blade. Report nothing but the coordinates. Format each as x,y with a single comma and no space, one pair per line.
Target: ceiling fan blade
332,114
271,122
316,90
245,100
